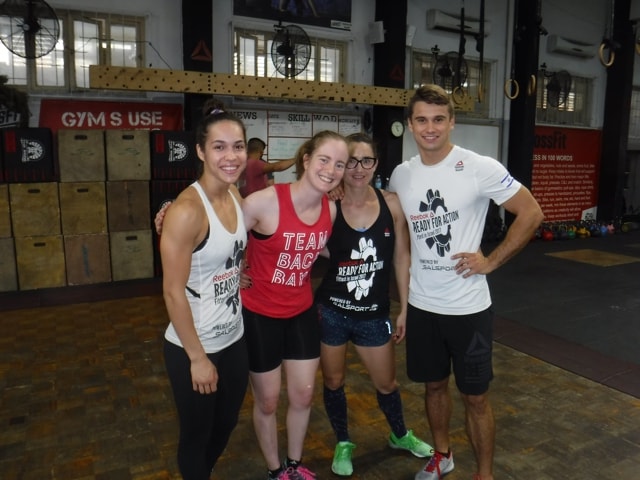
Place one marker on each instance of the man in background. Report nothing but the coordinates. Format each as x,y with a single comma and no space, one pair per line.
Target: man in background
256,175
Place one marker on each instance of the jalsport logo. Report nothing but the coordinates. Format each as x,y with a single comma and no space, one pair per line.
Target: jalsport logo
368,253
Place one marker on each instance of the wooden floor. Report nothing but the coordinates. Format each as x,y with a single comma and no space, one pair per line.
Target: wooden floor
84,395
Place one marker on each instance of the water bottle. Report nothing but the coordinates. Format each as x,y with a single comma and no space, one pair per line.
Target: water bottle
377,182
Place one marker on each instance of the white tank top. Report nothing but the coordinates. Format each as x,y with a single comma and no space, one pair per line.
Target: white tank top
213,286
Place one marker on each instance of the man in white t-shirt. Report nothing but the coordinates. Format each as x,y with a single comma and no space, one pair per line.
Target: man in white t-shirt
445,192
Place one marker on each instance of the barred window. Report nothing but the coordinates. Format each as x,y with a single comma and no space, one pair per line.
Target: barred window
563,100
86,38
425,70
252,56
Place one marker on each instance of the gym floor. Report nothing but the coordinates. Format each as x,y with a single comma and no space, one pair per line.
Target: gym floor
84,395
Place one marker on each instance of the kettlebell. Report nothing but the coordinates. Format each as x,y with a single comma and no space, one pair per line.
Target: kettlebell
603,230
582,232
563,233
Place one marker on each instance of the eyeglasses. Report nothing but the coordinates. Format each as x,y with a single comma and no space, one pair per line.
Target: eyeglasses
366,162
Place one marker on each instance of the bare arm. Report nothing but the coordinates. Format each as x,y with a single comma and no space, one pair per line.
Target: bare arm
260,211
279,166
401,261
528,216
182,229
159,218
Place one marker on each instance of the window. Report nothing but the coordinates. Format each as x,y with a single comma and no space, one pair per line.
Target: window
85,39
559,105
423,66
252,56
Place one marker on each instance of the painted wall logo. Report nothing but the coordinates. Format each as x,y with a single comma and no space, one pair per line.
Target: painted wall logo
9,118
14,106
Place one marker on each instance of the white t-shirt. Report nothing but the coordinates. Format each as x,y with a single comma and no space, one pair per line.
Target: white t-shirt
446,206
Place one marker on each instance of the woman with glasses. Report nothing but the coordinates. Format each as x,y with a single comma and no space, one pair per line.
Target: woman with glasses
369,238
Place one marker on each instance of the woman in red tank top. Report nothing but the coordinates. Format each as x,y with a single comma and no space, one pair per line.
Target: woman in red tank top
289,226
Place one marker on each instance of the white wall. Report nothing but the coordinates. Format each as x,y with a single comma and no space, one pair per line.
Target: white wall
163,31
359,66
163,24
579,19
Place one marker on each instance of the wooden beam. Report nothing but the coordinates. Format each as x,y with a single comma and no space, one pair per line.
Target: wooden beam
176,81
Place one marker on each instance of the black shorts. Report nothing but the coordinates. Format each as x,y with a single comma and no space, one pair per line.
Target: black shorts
437,342
272,340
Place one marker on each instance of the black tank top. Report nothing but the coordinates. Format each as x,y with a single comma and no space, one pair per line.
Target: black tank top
357,280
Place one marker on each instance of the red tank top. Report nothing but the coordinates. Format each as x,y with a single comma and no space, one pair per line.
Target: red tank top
280,264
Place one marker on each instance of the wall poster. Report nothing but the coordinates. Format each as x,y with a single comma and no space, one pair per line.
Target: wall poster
285,131
564,178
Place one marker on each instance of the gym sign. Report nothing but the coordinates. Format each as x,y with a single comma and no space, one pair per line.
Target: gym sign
100,115
564,178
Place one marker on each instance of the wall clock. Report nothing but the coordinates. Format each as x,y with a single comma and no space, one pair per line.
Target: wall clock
397,128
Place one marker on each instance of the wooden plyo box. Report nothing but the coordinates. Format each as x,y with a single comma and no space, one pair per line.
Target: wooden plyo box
5,212
28,155
8,275
83,207
128,206
87,259
161,192
128,155
40,262
173,155
131,255
35,209
81,156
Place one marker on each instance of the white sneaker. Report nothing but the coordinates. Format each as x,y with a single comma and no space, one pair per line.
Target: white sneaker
436,468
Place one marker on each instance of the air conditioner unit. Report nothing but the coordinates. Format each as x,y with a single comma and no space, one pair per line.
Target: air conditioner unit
567,46
439,20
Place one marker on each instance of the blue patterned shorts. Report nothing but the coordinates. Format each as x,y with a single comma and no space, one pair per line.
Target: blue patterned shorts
337,329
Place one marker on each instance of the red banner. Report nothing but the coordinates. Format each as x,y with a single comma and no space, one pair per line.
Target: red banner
564,179
99,115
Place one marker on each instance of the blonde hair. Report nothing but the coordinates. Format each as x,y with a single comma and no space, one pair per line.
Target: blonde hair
311,145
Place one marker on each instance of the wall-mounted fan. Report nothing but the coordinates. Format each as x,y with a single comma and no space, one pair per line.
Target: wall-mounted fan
450,71
28,28
290,50
558,88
